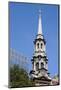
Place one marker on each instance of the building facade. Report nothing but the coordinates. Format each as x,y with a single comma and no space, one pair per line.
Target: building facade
39,72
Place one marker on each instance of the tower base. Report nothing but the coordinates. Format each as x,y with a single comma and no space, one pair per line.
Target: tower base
42,81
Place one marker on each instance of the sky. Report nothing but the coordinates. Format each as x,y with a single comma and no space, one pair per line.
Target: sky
23,28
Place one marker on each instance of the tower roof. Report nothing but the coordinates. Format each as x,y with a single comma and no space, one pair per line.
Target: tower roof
40,24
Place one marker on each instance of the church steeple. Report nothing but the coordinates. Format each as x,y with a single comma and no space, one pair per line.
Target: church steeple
39,60
39,23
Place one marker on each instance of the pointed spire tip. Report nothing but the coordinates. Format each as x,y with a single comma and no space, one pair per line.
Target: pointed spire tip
40,23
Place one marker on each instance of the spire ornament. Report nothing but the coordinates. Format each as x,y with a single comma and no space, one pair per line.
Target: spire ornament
40,24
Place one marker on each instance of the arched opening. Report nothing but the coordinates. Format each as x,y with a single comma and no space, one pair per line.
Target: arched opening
37,66
37,45
42,65
41,45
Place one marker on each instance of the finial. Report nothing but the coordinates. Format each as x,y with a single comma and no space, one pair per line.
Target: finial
39,12
40,23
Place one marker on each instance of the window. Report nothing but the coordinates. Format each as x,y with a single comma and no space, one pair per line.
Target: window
37,66
42,65
37,45
41,45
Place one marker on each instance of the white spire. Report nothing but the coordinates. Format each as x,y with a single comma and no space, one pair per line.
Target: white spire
39,23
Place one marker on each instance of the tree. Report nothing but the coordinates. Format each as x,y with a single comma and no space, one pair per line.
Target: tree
19,77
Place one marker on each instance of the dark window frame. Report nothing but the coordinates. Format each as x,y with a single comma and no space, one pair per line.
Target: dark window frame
42,65
41,45
37,45
37,66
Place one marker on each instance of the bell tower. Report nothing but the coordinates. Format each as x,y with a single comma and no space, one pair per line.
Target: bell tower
39,72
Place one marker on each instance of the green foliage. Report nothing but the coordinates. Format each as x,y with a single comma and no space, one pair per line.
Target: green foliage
19,78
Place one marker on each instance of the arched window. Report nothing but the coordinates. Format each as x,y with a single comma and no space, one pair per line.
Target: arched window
37,66
41,45
42,65
37,45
